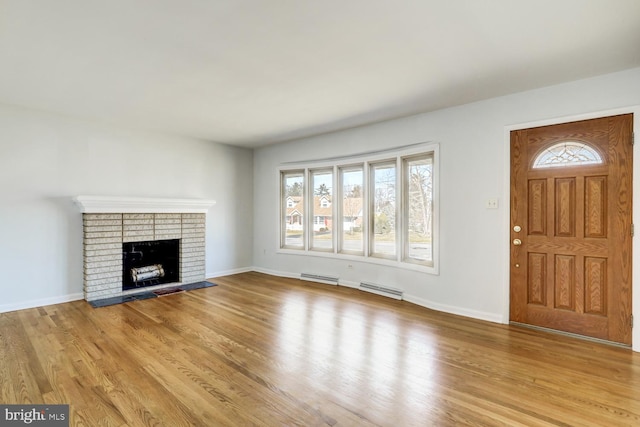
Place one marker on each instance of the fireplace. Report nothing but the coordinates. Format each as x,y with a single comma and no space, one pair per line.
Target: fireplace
134,243
150,263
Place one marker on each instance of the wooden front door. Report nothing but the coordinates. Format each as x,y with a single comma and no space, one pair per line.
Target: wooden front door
571,227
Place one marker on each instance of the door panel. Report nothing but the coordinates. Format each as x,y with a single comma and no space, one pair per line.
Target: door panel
538,207
572,270
595,285
595,205
565,207
537,278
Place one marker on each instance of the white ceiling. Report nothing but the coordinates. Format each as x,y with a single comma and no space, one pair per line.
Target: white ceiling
253,72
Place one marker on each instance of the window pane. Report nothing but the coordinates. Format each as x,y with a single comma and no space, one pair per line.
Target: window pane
383,218
418,209
292,210
567,153
322,184
351,238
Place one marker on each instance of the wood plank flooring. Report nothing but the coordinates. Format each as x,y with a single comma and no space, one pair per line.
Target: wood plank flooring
266,351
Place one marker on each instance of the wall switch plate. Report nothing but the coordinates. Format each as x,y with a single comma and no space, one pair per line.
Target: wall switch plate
492,203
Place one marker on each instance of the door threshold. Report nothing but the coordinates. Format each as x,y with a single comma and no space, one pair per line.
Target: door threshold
572,335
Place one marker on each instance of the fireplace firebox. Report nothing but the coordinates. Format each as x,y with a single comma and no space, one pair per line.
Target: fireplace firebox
150,263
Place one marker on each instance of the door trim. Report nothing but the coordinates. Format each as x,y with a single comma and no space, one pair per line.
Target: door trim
506,208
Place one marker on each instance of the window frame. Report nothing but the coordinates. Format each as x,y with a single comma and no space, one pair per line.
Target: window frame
284,206
312,172
406,178
373,166
355,162
340,208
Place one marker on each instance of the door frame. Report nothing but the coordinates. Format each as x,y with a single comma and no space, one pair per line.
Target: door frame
506,208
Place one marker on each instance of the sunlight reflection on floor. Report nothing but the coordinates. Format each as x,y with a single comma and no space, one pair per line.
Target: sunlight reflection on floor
389,359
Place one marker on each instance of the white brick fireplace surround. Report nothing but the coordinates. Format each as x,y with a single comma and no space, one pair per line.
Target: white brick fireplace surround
108,222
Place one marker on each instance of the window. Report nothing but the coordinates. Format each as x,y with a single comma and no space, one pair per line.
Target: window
322,184
383,209
292,215
380,208
568,153
418,209
351,210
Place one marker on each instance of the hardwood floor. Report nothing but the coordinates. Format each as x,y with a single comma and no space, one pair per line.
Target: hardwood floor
260,350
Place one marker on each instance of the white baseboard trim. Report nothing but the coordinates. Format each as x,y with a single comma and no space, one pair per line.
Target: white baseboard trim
230,272
474,314
41,302
276,273
349,284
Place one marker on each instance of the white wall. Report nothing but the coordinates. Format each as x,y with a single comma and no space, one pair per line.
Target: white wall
47,159
474,166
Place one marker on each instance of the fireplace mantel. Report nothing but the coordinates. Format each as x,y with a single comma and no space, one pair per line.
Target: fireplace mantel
108,204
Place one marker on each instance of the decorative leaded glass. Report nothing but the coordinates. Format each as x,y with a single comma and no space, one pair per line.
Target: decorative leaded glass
567,153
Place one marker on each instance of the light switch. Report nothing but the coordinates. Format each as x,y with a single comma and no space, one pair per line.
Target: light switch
492,203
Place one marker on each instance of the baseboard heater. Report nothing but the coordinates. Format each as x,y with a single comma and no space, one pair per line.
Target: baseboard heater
329,280
381,290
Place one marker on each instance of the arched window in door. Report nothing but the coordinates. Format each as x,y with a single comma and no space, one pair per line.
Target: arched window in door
567,153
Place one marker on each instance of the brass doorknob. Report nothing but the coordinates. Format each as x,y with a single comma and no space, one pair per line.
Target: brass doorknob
517,242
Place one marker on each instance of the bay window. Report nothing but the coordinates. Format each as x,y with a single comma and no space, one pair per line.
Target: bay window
379,207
